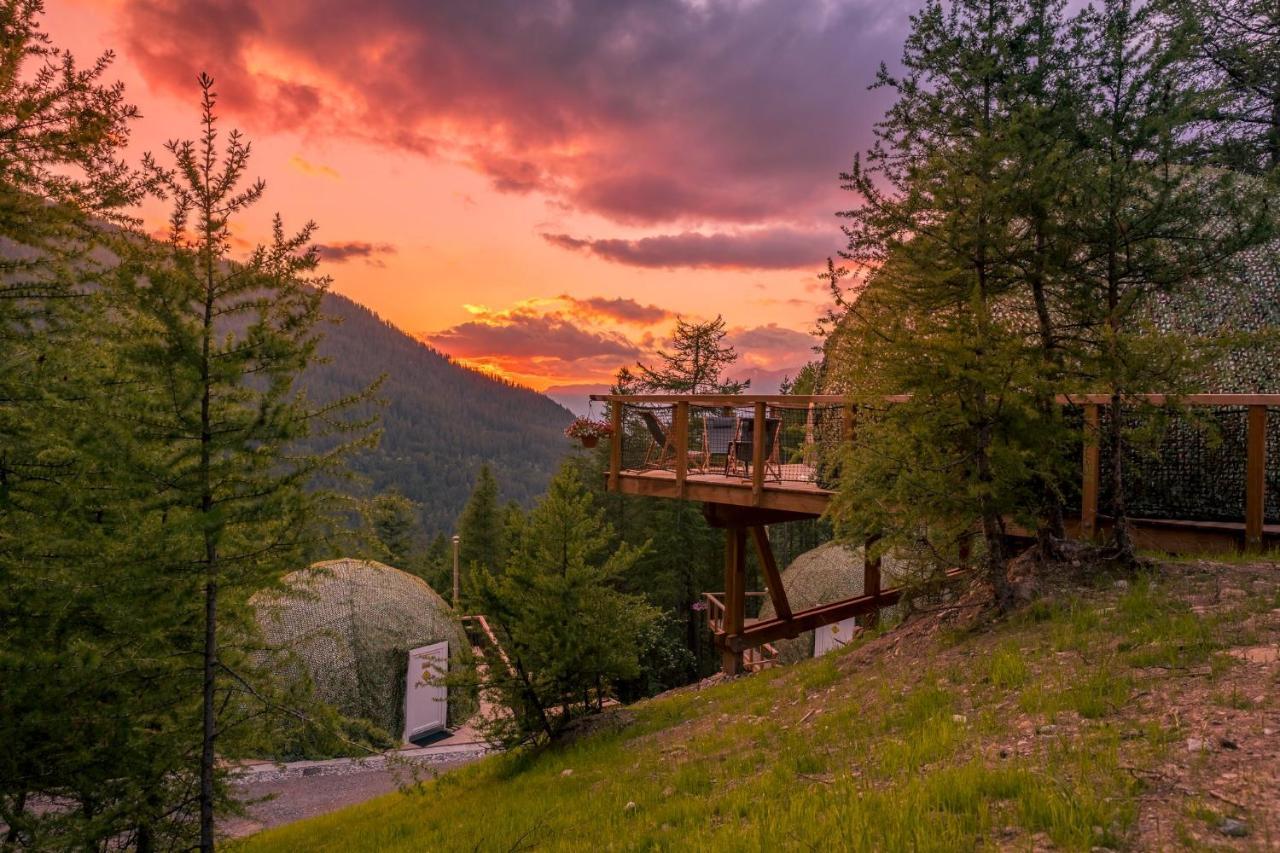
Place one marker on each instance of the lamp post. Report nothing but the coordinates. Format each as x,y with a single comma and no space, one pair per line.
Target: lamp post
456,594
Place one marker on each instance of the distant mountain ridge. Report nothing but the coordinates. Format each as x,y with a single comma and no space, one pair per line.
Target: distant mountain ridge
441,420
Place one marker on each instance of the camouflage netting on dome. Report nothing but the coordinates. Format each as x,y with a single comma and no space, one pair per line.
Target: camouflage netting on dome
351,624
1191,465
828,573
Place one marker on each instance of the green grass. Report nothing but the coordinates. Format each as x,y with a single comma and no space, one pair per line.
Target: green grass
888,754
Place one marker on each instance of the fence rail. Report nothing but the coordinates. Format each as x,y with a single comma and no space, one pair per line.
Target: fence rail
1221,465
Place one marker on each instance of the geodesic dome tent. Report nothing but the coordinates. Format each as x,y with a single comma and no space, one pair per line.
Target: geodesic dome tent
828,573
350,625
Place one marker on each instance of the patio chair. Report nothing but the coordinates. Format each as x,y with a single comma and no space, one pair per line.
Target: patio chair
740,449
661,452
718,433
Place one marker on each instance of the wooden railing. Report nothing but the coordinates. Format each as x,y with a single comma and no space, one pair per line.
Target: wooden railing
1090,404
755,658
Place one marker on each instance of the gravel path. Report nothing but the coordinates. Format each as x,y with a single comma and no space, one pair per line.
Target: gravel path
326,788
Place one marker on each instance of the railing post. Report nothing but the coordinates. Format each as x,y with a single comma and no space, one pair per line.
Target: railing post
735,595
846,422
615,444
757,454
1091,476
871,576
681,427
1255,478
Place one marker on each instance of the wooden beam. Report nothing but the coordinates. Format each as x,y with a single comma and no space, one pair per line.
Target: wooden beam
772,577
871,576
798,498
757,454
1255,491
846,422
735,598
768,630
726,515
615,444
1092,474
681,427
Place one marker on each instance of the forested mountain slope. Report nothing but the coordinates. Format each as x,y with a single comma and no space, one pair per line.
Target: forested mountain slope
440,421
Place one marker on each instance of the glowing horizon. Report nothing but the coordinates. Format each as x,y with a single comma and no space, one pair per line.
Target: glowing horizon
537,208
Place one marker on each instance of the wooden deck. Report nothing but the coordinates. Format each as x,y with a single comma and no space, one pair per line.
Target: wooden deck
773,492
788,495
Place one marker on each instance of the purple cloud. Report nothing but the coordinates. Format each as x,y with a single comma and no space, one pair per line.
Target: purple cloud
526,336
340,253
761,249
643,111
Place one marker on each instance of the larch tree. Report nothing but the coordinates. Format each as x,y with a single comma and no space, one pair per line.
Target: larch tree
939,238
696,363
1147,219
211,349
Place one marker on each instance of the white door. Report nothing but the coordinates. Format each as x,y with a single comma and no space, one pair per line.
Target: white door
832,636
426,704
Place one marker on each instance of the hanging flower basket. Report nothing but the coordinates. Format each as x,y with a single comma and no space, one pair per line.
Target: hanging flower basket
588,431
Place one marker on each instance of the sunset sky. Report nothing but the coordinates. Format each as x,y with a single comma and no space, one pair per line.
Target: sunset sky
533,186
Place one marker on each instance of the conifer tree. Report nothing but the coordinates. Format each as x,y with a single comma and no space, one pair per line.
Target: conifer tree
394,519
937,233
211,349
1234,50
1148,223
700,354
568,633
481,525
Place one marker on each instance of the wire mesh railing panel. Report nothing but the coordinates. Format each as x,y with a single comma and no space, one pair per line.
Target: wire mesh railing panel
798,440
1179,465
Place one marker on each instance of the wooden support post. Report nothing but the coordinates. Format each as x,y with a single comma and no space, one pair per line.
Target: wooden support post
1255,478
1092,474
615,445
846,422
773,579
757,454
735,595
681,427
871,576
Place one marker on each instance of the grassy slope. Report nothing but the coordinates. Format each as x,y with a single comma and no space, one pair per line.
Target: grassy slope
1065,725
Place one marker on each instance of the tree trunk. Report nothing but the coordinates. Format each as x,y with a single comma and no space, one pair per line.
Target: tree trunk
207,755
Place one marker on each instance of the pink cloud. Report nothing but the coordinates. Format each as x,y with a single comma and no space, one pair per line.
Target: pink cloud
765,248
643,111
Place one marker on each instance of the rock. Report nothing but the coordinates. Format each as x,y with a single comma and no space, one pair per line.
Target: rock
630,807
1194,744
1233,828
1122,584
1047,729
1268,732
959,718
566,773
1227,743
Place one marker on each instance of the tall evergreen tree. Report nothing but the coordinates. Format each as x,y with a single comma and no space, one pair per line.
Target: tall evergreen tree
1234,50
936,233
480,526
212,350
1147,222
568,633
700,354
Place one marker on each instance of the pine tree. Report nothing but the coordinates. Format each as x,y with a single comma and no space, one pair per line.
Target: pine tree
1234,50
1147,222
394,519
936,233
481,525
695,366
211,350
568,633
